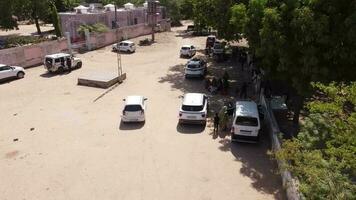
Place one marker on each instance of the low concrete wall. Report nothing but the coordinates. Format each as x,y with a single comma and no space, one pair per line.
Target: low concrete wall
105,39
27,56
273,130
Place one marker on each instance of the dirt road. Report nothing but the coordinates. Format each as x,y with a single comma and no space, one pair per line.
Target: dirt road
70,147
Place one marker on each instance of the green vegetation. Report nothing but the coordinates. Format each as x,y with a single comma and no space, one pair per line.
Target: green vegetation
94,28
323,154
15,41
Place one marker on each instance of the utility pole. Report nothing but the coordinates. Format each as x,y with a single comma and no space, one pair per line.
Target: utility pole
152,15
118,55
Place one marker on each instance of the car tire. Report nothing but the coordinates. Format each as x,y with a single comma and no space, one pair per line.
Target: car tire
20,75
79,65
60,70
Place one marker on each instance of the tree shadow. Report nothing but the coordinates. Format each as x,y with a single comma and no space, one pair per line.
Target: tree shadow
131,126
257,164
190,128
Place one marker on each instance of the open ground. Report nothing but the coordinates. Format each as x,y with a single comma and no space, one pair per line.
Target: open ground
71,144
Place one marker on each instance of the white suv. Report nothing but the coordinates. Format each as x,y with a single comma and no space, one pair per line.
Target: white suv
194,109
195,67
7,71
126,46
134,110
187,51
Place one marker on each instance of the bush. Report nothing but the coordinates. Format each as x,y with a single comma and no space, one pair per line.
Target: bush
93,28
15,41
322,157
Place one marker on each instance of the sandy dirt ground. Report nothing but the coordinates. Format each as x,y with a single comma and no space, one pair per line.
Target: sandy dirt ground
71,145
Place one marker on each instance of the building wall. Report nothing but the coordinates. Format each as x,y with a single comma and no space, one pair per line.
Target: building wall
70,22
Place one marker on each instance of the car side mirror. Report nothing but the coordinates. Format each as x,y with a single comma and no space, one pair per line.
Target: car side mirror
180,96
124,99
145,99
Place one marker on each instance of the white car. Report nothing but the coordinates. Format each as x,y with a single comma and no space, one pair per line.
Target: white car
218,48
134,110
7,71
187,51
195,67
126,46
246,122
60,62
194,109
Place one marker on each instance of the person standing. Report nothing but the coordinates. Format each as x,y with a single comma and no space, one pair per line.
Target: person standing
216,122
243,92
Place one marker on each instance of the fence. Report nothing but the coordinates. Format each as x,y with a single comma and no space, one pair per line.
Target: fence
273,130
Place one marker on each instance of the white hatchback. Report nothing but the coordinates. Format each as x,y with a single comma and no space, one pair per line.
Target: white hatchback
7,71
194,109
126,46
187,51
134,110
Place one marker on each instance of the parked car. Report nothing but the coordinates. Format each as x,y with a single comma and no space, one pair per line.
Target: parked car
60,62
187,51
246,123
7,71
190,28
126,46
134,110
210,40
218,48
194,109
196,67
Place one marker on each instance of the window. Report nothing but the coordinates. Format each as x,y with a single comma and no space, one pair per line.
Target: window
3,68
246,121
57,60
185,48
133,108
135,21
192,108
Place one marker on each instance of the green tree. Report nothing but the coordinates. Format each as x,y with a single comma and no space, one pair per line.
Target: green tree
323,154
6,15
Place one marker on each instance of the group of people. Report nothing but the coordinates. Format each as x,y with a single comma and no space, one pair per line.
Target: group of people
218,85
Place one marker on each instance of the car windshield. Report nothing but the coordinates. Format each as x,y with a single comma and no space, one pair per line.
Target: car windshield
185,48
246,121
133,108
193,66
218,46
192,108
49,60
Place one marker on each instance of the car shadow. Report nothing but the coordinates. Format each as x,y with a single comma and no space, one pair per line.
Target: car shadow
8,80
53,74
131,126
190,128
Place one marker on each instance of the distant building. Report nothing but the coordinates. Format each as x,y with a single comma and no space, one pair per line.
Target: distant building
96,13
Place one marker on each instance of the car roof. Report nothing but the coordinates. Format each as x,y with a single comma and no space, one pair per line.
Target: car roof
127,41
211,36
193,99
246,108
186,45
193,62
57,55
134,100
2,65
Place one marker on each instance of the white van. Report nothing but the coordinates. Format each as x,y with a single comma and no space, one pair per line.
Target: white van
134,110
246,123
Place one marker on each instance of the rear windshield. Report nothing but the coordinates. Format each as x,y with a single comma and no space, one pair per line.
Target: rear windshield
192,108
218,46
185,48
133,108
246,121
193,66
